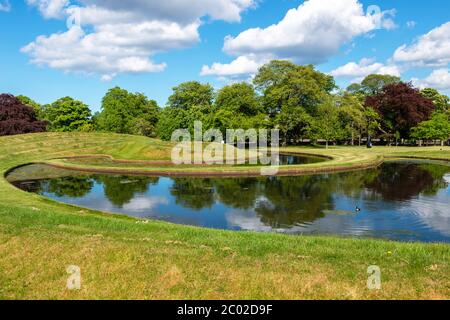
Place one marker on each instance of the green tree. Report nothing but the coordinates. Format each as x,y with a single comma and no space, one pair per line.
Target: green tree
372,120
291,95
282,82
437,128
238,106
273,74
374,83
171,119
294,124
327,124
239,98
192,93
128,113
67,115
190,101
441,101
355,88
352,116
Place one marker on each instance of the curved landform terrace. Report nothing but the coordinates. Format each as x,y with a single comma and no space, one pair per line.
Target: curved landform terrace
156,260
140,155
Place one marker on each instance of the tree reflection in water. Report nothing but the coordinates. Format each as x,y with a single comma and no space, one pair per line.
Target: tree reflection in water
75,187
193,193
288,201
272,202
120,190
404,181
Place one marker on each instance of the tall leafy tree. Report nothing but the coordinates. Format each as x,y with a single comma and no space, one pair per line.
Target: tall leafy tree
294,124
441,101
273,74
355,88
190,101
17,118
190,94
172,119
291,95
67,115
374,83
239,98
372,121
327,125
437,128
238,106
283,82
401,107
352,116
128,113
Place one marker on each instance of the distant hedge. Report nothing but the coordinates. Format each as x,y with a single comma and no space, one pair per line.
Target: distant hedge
17,118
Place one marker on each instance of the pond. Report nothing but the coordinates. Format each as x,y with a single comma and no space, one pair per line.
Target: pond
295,159
404,200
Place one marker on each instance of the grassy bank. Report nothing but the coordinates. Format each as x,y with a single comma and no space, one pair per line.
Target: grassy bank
121,257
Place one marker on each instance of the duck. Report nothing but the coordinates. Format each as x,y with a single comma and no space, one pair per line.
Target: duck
358,209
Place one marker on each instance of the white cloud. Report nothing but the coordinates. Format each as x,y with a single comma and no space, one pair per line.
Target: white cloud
311,33
145,203
50,8
438,79
433,212
5,6
181,11
241,66
123,35
430,50
364,68
106,52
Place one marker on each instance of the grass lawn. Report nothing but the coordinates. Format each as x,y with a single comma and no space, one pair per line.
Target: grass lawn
126,258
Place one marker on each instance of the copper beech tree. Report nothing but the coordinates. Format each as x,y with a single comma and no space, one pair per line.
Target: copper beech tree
401,107
17,118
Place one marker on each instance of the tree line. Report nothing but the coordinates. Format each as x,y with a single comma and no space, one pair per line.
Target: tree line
304,104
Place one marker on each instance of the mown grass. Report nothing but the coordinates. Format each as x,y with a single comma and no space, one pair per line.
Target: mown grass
124,258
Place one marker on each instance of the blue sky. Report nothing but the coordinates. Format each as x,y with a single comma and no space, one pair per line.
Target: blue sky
149,47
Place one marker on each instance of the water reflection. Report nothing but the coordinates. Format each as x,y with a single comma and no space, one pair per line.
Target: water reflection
397,181
399,200
76,187
193,193
120,190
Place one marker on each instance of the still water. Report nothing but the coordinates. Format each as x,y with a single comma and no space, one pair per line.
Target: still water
406,201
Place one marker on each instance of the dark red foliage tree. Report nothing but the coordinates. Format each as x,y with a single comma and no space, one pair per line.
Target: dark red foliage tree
401,107
17,118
